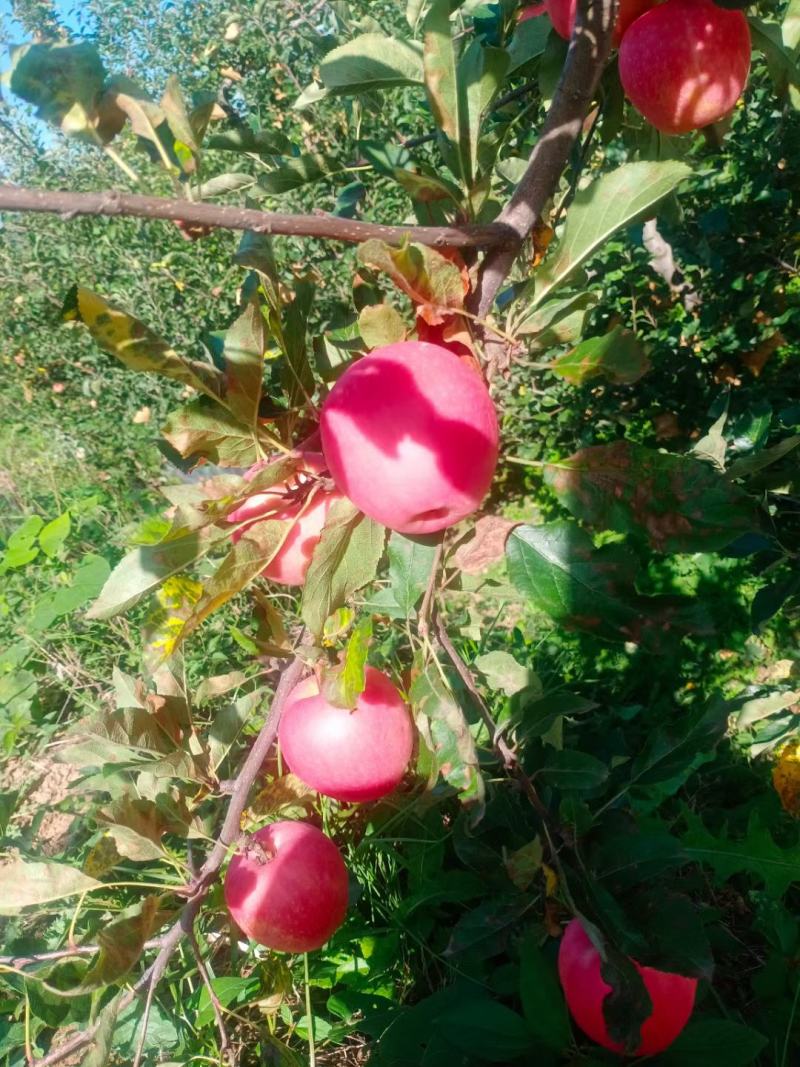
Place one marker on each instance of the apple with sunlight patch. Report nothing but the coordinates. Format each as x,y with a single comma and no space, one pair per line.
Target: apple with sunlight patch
579,969
410,435
289,888
562,15
290,501
354,755
684,64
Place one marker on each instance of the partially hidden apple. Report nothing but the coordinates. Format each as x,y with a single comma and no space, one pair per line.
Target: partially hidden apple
290,502
579,969
532,11
410,435
354,755
289,889
684,64
562,15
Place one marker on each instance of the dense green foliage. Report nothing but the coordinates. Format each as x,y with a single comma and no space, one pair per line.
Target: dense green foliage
637,643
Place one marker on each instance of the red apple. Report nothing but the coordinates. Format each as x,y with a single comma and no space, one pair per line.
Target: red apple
357,755
562,15
532,11
579,970
288,501
684,64
289,890
410,435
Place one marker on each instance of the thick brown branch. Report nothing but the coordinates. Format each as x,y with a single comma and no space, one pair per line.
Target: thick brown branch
587,55
197,891
327,227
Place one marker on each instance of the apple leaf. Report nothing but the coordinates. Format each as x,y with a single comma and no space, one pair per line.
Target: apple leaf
680,503
411,560
122,941
434,283
345,559
135,344
381,324
27,884
245,345
617,356
206,430
371,62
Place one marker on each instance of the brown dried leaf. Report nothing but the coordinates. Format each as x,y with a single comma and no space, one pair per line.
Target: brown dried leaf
487,546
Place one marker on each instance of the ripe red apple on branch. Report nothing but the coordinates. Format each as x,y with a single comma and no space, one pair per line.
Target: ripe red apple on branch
354,755
684,64
410,435
289,890
290,502
562,15
579,969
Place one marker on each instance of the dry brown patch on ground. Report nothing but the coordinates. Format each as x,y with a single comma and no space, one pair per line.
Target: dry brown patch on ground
43,784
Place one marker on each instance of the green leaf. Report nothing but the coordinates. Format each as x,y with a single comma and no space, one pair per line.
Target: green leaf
748,465
486,1030
442,83
670,752
715,1043
174,107
778,867
28,885
54,534
558,568
345,685
229,990
299,171
87,582
147,566
679,503
447,733
8,804
380,325
345,559
570,770
502,671
100,1051
613,201
258,142
529,42
22,547
411,561
134,344
122,942
207,430
783,64
481,72
558,321
245,345
542,1000
220,184
370,62
617,356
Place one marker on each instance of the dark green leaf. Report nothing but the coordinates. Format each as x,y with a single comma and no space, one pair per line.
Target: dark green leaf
570,770
715,1043
411,561
617,356
542,1000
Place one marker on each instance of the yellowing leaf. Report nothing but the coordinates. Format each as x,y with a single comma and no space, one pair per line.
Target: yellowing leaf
435,283
786,778
135,344
30,884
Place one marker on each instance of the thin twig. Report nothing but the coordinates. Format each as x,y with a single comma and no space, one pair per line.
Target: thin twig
113,203
588,51
148,1004
427,601
198,890
224,1041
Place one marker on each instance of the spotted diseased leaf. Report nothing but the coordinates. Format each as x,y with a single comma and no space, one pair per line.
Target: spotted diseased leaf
435,283
134,344
245,345
446,731
28,885
287,796
441,73
593,589
344,561
679,503
617,356
488,546
206,430
122,941
525,863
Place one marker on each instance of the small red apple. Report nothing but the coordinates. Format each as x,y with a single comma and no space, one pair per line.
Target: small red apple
357,756
532,11
684,64
579,969
288,502
289,890
410,435
562,15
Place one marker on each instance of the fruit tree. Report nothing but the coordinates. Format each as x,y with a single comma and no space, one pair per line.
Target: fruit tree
473,494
